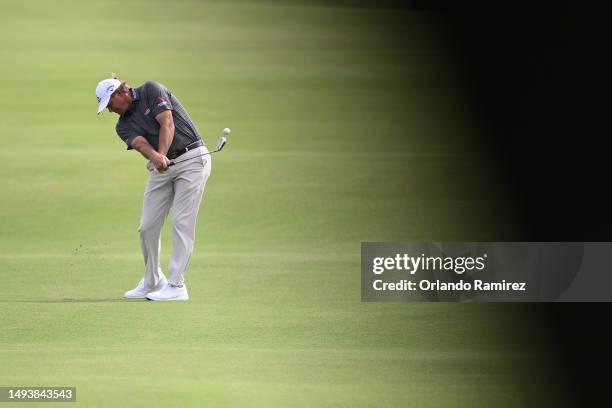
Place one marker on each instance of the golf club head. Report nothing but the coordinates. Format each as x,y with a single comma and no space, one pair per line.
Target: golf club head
222,141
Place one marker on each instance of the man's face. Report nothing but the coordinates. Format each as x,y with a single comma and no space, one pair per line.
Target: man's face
119,102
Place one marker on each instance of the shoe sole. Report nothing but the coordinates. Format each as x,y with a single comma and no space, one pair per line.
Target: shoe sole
165,300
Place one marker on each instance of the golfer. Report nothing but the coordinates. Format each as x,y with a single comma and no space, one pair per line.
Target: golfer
153,122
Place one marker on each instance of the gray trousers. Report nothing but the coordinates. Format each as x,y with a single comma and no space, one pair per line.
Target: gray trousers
180,188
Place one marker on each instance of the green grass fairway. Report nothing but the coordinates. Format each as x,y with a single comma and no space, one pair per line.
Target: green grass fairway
346,127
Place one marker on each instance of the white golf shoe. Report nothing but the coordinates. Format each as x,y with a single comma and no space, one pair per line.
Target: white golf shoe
139,292
169,292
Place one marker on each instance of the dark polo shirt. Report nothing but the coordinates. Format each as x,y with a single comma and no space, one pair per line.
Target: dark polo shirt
150,99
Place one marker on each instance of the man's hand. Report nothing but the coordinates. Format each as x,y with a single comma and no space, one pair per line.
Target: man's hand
160,162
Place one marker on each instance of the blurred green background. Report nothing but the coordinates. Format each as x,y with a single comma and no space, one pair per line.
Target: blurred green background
348,125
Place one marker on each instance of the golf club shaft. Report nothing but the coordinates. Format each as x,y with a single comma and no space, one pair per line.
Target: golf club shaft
172,163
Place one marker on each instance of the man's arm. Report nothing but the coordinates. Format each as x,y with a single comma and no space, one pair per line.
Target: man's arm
166,131
160,161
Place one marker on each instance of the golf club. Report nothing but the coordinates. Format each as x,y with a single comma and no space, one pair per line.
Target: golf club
220,144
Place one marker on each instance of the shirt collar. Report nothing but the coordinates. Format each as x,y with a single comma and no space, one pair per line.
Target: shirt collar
135,94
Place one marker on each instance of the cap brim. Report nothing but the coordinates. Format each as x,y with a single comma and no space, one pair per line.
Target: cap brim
103,104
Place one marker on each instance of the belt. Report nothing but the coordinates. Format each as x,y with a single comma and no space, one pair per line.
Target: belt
176,153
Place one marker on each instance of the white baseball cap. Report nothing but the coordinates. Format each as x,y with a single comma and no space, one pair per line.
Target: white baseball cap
104,90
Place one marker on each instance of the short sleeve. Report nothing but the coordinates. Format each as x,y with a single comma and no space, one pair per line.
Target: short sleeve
126,134
158,97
